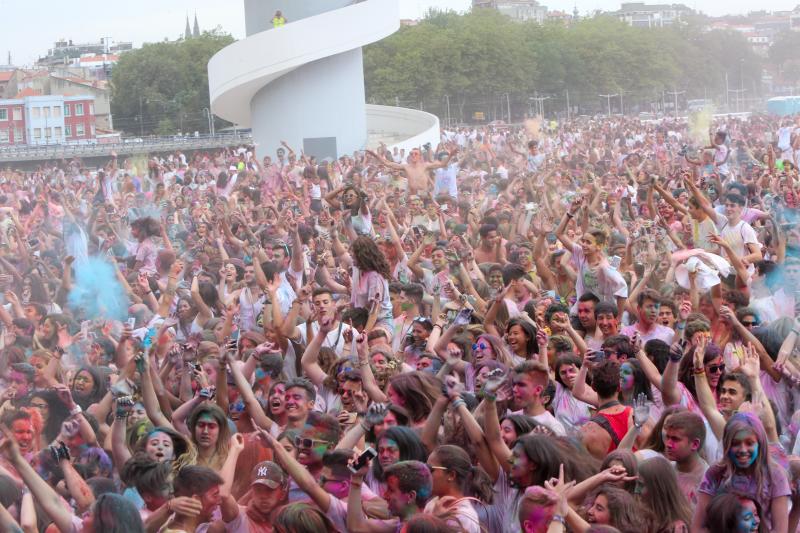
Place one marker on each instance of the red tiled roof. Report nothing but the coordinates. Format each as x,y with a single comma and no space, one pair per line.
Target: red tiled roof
28,91
5,76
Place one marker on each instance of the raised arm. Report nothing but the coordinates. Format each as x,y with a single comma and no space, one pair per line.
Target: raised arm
45,495
669,381
561,230
705,397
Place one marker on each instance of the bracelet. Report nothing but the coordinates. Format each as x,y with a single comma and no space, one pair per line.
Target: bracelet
458,402
570,215
356,483
438,326
75,411
364,426
699,371
489,397
558,518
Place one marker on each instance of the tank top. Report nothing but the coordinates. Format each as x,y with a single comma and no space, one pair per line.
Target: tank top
616,425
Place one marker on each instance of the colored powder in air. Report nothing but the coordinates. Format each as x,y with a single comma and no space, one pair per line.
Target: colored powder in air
97,292
699,124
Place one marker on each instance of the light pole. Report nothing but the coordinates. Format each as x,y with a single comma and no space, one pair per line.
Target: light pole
447,117
540,104
675,94
141,120
608,97
207,112
737,92
508,107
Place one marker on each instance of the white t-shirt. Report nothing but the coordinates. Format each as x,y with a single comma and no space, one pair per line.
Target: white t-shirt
604,281
737,236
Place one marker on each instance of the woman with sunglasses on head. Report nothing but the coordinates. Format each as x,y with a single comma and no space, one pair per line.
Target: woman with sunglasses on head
456,484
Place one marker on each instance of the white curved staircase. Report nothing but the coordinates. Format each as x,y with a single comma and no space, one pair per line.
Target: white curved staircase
304,81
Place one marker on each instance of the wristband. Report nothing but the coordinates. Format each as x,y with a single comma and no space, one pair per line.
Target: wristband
699,371
458,402
490,397
75,411
570,215
675,357
364,426
558,518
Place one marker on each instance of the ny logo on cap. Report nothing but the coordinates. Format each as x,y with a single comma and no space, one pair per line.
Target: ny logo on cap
262,471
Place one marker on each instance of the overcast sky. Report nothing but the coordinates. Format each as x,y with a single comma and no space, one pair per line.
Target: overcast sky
32,26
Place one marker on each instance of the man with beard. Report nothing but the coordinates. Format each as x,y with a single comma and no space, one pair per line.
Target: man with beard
330,491
269,488
528,385
647,305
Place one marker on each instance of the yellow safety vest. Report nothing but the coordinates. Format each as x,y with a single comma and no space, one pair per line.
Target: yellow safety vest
278,22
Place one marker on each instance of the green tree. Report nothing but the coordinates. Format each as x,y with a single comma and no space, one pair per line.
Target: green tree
478,58
163,84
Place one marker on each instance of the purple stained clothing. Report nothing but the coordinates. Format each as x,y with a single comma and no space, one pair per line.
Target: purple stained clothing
774,485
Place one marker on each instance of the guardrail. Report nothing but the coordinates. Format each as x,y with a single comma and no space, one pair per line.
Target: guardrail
127,146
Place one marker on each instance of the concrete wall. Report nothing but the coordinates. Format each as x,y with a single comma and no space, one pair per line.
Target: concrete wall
324,98
258,13
416,127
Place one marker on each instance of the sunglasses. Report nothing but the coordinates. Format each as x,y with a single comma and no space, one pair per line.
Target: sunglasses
716,369
300,442
749,323
323,480
479,346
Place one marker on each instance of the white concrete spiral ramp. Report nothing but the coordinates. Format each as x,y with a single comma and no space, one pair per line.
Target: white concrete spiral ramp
303,82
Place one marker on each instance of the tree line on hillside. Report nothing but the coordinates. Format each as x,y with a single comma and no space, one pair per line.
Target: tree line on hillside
484,61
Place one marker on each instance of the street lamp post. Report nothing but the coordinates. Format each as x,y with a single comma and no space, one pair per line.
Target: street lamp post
608,97
141,119
675,94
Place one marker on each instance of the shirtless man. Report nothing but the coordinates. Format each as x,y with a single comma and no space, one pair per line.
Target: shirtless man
416,170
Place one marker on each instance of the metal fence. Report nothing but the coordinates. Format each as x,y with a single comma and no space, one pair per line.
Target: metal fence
123,147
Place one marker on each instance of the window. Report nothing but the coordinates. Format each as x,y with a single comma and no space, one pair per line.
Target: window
37,133
18,136
94,132
46,112
17,113
57,132
68,131
47,132
78,110
36,112
79,131
3,114
57,111
3,136
91,109
67,110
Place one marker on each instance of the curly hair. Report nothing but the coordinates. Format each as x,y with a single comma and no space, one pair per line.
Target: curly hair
369,258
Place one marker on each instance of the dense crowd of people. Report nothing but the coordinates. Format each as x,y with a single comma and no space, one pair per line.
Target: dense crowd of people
587,326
